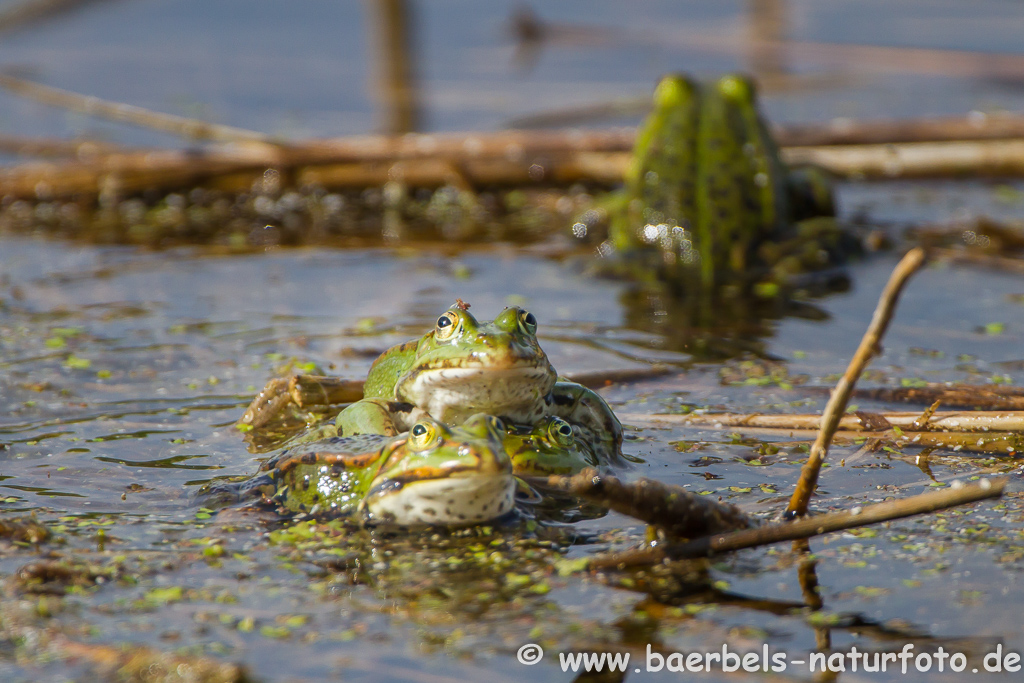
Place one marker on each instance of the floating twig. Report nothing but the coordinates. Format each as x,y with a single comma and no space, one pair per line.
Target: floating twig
845,131
804,528
125,113
48,147
980,397
915,159
678,512
30,12
857,422
506,158
1007,264
837,521
836,406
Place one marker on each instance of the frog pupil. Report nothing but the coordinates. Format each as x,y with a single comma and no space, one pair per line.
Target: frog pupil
530,319
443,322
419,430
565,430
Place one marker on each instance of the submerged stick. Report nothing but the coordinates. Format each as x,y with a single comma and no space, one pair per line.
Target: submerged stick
804,528
836,407
680,513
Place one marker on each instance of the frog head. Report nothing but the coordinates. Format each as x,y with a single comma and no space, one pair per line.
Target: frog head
437,474
465,366
551,446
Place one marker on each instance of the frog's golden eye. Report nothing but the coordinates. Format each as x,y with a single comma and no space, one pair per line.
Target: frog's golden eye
446,325
561,432
422,435
529,321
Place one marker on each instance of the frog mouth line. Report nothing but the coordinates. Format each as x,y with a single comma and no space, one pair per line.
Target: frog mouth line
489,368
442,376
425,474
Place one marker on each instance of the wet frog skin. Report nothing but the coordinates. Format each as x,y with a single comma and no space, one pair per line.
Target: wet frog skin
708,201
434,474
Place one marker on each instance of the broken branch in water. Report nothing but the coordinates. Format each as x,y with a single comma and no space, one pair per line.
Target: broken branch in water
845,131
995,433
193,129
678,512
837,521
48,147
915,159
856,422
804,528
461,159
869,346
979,397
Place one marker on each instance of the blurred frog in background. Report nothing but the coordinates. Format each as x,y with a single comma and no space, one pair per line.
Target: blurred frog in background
710,213
708,200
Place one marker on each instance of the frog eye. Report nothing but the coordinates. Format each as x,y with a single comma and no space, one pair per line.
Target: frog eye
422,435
561,432
529,321
446,325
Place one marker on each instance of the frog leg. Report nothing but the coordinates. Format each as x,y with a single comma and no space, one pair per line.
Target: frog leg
587,411
377,416
302,390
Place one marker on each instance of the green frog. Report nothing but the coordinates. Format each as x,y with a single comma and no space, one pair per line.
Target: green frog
549,447
433,474
708,201
463,367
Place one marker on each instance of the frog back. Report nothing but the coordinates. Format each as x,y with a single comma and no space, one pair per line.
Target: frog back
328,478
389,366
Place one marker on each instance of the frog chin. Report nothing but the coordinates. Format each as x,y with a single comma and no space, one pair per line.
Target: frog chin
463,499
453,394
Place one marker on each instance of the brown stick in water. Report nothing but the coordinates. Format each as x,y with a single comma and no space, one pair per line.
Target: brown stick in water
836,407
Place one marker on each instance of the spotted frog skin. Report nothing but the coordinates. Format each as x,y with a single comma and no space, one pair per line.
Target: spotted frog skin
434,474
708,201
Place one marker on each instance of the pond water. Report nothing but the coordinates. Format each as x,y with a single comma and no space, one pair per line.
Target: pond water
122,372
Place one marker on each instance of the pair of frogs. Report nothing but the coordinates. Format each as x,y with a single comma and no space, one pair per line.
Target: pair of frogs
446,424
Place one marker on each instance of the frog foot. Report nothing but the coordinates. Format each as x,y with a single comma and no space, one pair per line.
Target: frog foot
302,391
